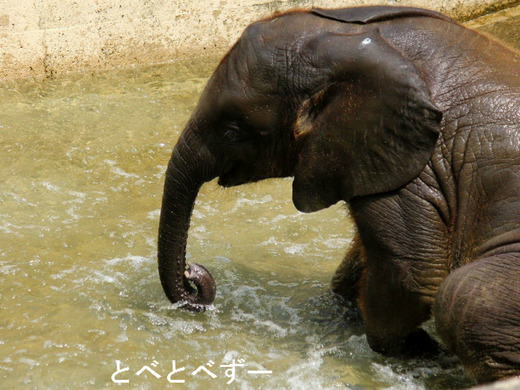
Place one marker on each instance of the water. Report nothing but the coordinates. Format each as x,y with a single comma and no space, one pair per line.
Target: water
83,159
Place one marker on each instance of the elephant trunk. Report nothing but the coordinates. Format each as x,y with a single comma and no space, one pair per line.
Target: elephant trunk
190,166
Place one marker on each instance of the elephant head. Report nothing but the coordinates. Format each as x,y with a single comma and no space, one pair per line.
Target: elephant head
332,104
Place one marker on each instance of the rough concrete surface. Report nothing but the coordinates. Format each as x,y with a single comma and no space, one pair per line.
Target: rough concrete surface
50,37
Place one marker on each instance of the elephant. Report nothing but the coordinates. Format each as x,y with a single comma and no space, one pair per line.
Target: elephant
413,121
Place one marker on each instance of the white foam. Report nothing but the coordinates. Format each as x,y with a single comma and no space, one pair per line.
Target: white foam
51,187
134,260
296,249
119,171
8,270
154,215
245,202
401,381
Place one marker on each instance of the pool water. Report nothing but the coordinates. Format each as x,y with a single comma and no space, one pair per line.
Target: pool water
82,166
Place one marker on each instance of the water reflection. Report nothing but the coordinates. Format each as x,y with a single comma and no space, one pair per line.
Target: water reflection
83,160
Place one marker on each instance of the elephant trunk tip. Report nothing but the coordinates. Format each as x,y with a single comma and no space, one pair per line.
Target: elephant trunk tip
201,287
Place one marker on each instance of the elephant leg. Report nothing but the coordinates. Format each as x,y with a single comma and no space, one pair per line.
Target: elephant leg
477,315
346,279
392,315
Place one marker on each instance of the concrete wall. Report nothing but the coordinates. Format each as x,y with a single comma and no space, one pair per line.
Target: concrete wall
50,37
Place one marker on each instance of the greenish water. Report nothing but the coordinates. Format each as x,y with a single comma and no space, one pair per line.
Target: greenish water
82,165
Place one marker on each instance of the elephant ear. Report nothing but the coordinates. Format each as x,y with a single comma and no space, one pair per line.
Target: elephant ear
371,127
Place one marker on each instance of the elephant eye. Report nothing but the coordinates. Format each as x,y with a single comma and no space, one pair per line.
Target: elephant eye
232,134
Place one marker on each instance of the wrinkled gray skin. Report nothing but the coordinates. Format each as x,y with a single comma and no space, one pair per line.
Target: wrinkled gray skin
412,120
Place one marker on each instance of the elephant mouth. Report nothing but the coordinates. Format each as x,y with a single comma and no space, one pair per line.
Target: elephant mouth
244,173
233,177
